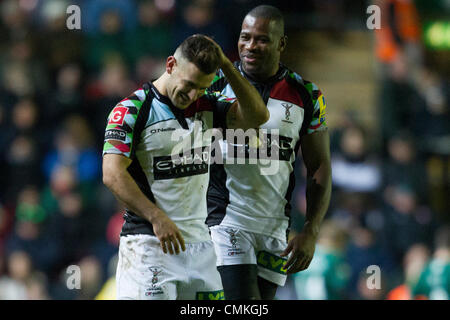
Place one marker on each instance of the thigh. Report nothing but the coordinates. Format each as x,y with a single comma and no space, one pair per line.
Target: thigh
204,282
270,263
233,246
240,282
142,272
267,289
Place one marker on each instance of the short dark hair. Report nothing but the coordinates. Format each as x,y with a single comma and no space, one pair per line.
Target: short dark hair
200,51
268,12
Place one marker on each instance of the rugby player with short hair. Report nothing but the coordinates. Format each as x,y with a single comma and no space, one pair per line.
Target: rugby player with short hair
165,248
248,212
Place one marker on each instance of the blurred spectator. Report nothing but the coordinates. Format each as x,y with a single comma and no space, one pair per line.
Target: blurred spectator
66,97
108,290
62,46
94,18
366,291
328,274
112,84
74,147
404,166
199,16
153,35
355,169
69,227
365,250
22,74
407,222
29,232
107,24
19,266
12,286
398,43
349,210
434,281
23,154
14,21
431,119
6,223
23,162
91,279
36,286
413,263
399,51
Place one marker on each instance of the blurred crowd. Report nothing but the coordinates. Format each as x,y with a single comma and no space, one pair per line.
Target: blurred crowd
390,188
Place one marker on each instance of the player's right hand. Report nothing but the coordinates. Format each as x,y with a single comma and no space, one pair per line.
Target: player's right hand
223,57
168,234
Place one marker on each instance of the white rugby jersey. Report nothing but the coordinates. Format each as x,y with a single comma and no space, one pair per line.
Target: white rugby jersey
240,195
169,155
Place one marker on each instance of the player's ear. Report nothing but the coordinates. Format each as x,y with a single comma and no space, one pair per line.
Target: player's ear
170,64
282,44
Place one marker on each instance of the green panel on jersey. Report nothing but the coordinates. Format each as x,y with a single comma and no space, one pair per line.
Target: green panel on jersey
210,295
215,79
270,261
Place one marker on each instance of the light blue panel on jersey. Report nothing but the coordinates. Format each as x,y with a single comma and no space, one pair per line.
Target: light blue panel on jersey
228,92
159,112
298,78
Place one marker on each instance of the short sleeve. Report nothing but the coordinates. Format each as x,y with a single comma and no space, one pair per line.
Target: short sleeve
318,119
120,130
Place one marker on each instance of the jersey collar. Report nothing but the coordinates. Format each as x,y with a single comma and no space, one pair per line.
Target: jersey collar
178,113
281,73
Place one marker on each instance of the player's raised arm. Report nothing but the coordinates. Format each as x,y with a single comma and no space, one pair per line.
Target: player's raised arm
117,178
249,111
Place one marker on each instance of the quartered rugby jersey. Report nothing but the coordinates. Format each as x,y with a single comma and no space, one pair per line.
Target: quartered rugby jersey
245,196
170,156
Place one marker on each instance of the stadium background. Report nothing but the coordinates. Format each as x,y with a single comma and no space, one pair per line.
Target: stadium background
387,93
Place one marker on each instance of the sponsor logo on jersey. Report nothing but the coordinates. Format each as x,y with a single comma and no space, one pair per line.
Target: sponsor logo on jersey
210,295
270,261
114,134
274,146
171,167
118,115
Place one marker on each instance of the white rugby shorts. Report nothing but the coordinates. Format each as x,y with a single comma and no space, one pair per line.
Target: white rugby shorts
145,272
234,246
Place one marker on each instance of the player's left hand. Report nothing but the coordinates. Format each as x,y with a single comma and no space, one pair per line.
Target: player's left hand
302,248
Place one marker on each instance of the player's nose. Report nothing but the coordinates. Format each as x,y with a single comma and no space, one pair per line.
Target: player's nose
250,45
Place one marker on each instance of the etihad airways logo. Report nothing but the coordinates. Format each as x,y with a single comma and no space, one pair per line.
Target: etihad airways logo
266,153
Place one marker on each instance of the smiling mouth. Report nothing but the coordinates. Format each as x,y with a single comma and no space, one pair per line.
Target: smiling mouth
251,59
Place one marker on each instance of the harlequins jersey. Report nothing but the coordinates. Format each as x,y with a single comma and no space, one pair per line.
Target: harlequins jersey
239,195
170,156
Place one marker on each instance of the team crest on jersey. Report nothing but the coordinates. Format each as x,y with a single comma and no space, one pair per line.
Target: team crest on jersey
118,115
287,114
